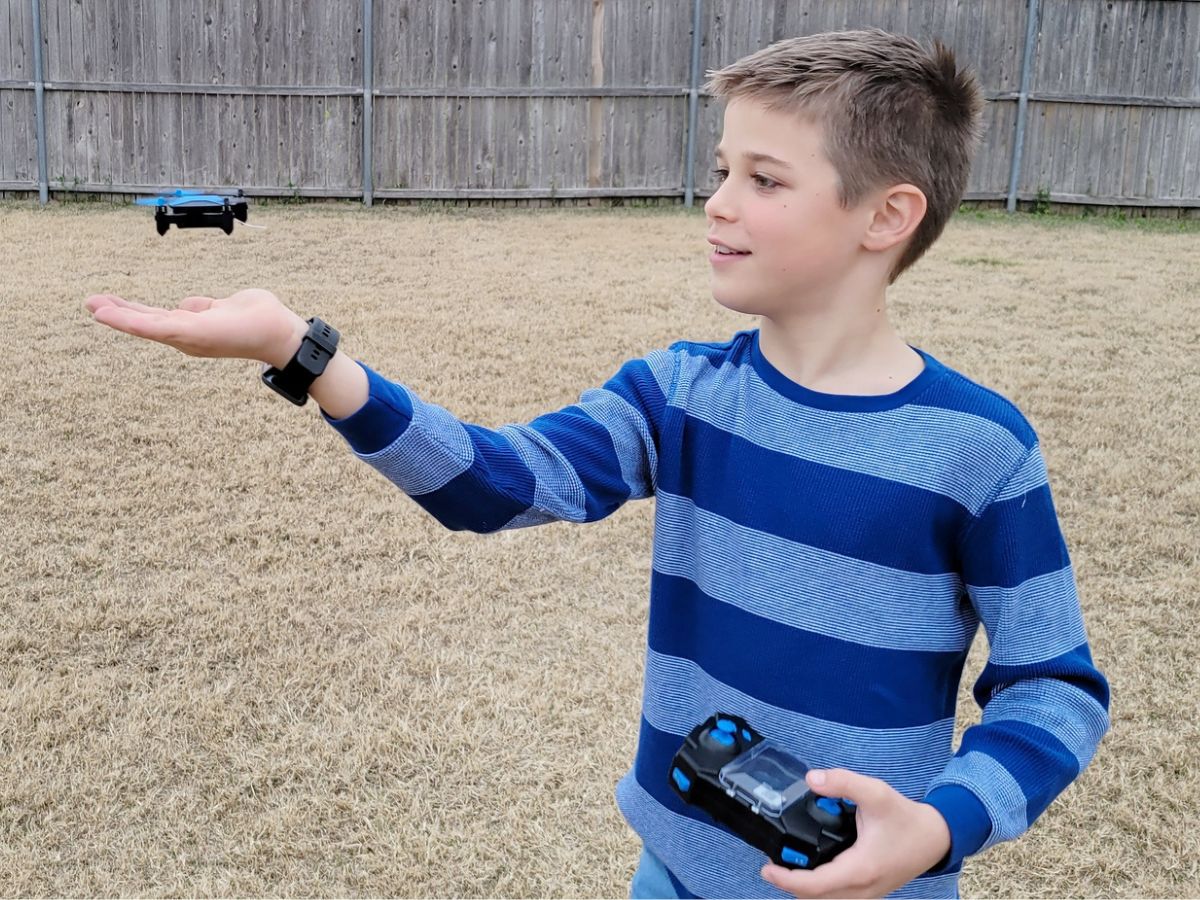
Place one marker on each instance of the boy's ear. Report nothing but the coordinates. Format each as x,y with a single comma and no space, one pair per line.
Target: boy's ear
898,211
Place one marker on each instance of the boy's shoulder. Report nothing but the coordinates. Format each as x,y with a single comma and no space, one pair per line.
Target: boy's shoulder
955,392
946,390
731,349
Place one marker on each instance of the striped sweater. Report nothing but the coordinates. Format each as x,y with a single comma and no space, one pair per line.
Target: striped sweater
821,565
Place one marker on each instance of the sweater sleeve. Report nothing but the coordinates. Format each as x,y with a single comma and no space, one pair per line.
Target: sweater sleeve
1045,705
577,464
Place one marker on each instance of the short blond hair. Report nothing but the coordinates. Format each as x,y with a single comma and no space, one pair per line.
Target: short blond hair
893,111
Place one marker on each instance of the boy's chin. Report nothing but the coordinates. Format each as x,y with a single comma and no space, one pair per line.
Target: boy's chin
740,301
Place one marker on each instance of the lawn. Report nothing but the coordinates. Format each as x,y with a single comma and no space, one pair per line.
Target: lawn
236,661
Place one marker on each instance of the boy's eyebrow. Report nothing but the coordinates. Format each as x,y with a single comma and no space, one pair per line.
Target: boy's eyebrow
756,157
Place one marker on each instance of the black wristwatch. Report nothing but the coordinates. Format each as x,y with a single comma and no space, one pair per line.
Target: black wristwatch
294,379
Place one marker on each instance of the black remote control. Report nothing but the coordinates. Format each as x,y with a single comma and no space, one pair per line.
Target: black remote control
756,789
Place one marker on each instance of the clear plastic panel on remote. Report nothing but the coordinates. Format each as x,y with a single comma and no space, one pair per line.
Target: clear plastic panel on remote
766,776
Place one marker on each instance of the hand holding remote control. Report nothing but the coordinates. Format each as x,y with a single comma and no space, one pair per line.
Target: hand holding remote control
897,840
757,790
828,833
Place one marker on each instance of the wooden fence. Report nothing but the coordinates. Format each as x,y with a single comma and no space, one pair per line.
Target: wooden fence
1089,101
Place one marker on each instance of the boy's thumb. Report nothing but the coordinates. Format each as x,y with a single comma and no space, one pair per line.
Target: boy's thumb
843,783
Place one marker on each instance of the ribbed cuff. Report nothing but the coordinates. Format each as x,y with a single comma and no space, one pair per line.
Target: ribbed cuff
383,418
968,820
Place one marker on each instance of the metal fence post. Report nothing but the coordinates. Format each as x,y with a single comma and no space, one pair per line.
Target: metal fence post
689,192
368,137
39,105
1032,27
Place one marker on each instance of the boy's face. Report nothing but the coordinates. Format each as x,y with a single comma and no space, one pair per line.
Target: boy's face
778,203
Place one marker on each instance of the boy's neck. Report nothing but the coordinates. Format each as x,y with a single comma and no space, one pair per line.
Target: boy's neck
847,348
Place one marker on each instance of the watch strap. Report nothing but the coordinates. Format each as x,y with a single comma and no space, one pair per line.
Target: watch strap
317,347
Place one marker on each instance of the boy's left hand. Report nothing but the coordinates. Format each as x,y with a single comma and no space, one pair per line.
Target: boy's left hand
898,839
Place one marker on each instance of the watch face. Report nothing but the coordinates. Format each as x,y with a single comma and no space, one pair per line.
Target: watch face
271,378
316,349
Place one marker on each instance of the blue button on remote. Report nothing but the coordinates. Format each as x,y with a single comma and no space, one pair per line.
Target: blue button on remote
795,857
680,779
723,738
726,725
829,805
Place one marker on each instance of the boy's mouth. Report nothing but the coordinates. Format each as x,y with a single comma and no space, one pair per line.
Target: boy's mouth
723,253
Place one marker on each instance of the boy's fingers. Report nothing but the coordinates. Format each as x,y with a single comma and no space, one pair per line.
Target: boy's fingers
99,301
834,879
96,301
138,324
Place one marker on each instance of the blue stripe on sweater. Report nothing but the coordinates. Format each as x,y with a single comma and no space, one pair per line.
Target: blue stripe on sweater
1003,549
643,384
1069,713
807,673
958,393
909,444
807,587
433,436
1074,668
1037,760
821,506
495,489
588,447
380,420
1035,621
994,786
954,392
574,464
637,448
680,694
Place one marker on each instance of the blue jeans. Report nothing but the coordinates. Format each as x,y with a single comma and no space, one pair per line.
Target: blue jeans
651,881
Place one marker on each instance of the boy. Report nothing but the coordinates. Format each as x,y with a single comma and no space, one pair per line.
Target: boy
836,511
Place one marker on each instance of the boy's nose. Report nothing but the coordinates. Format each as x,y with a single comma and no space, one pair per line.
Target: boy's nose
718,206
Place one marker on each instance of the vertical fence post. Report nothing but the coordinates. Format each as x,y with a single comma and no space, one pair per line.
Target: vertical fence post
689,187
1032,26
39,105
368,95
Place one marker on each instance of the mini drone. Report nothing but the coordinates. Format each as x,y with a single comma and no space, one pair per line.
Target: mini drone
197,209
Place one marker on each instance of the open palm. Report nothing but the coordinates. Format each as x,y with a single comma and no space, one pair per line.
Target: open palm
251,324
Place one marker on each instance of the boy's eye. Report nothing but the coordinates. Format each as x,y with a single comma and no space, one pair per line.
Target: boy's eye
720,175
764,182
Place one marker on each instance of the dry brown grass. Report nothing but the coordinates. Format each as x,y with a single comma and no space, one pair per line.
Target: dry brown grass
236,662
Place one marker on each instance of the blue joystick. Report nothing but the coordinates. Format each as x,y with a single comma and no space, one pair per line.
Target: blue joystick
829,811
722,737
829,805
718,740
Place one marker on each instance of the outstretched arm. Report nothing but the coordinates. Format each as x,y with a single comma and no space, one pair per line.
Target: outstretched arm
577,464
251,324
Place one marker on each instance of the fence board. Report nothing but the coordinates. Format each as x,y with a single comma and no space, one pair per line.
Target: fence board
19,163
16,28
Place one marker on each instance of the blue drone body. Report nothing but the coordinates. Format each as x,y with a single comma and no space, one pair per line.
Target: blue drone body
197,209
